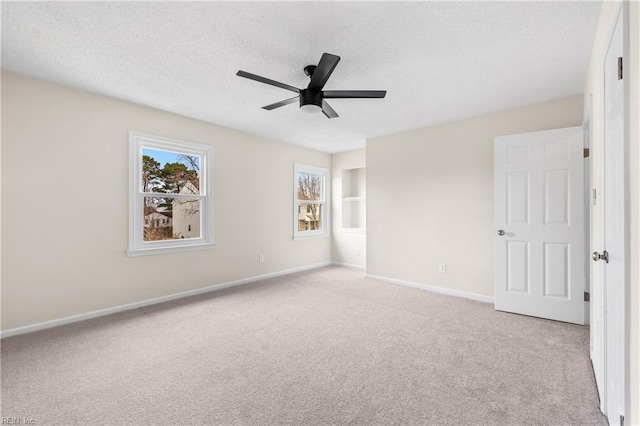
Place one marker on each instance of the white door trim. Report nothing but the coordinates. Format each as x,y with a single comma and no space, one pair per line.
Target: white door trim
627,205
587,130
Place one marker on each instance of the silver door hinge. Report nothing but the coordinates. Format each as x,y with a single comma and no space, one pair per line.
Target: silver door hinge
620,68
621,420
595,196
586,296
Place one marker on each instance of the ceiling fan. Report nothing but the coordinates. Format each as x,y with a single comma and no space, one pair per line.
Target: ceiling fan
312,99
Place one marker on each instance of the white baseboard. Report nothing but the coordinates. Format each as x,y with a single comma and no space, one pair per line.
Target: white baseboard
434,289
108,311
350,265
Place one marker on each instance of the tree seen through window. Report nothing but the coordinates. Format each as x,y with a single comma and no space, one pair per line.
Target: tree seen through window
170,216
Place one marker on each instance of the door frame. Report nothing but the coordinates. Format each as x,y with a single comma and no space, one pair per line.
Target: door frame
587,131
620,15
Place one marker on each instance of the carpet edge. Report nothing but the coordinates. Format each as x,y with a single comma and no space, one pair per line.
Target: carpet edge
434,289
153,301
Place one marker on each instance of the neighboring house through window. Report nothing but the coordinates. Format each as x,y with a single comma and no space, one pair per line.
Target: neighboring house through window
310,205
171,200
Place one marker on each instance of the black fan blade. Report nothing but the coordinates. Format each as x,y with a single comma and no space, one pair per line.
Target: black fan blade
267,81
323,71
337,94
328,111
281,103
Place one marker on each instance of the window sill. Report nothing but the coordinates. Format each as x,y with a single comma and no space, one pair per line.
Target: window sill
307,237
167,250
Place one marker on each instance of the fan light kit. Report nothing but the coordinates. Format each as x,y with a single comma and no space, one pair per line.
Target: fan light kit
312,99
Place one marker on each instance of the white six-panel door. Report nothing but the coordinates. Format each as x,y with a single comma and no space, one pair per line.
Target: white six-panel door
539,224
614,223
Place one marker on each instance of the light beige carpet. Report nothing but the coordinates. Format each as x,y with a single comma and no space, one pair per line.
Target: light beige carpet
321,347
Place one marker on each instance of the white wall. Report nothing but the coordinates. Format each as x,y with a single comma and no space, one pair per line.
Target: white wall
430,196
65,205
345,244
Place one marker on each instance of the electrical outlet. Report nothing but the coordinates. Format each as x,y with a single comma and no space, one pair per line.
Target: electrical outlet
261,258
358,252
442,267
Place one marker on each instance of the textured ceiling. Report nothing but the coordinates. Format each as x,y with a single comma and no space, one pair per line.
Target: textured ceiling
438,61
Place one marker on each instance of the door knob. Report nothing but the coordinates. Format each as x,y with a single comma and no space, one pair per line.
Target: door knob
597,256
500,232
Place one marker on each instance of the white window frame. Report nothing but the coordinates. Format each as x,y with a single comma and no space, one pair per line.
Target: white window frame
137,247
324,218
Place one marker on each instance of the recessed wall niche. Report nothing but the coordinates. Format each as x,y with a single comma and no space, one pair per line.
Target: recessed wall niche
354,200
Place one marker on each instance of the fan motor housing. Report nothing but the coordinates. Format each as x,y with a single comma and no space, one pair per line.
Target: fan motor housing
310,97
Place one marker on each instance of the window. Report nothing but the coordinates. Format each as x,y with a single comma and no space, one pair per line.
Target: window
170,195
310,205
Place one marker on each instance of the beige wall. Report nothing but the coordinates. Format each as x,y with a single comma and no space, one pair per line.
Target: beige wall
65,205
345,244
430,196
593,87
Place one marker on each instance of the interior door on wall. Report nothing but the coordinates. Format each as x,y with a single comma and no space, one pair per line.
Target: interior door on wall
539,224
614,222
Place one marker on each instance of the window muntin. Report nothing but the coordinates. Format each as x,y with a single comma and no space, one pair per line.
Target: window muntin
171,200
310,213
